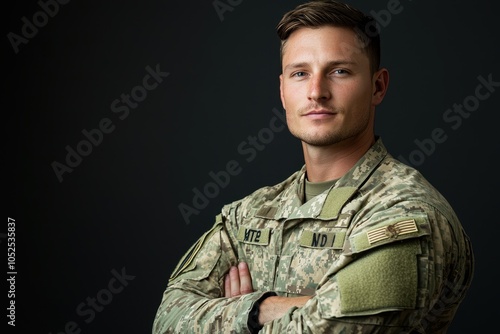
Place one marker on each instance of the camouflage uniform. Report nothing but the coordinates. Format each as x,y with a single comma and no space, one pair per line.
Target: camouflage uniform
381,251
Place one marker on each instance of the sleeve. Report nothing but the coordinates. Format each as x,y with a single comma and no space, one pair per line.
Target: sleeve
194,301
352,302
390,282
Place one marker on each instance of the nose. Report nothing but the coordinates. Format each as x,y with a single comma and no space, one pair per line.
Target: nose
319,88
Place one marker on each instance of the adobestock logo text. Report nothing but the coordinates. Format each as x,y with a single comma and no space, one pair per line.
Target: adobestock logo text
30,28
120,106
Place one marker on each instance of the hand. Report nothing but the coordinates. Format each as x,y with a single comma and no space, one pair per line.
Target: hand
275,307
238,281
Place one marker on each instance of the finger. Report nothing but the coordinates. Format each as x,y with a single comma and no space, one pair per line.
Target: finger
245,278
234,277
227,286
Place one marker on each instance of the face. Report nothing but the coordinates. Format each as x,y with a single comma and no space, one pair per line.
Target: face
327,88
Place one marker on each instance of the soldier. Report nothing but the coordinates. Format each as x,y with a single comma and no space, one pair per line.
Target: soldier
353,242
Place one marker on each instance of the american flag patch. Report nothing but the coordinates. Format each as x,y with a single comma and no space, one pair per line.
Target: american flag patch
392,231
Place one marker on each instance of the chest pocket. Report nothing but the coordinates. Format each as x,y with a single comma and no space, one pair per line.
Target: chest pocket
315,252
254,249
318,246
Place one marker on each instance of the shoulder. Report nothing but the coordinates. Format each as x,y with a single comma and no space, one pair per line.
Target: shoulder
398,202
264,196
394,182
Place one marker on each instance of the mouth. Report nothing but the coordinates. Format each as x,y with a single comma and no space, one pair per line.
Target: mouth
319,114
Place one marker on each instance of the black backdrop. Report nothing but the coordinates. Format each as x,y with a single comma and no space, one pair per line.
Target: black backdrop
96,245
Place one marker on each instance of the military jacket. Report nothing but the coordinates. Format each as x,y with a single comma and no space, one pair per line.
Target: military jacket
381,251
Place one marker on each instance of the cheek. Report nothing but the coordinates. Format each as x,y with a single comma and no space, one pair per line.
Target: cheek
290,115
356,94
292,119
290,97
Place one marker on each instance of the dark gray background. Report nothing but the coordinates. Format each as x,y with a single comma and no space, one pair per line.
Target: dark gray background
119,207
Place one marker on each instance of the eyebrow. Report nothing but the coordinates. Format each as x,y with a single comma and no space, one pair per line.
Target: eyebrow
332,63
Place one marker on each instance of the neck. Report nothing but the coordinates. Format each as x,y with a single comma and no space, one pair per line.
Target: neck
324,163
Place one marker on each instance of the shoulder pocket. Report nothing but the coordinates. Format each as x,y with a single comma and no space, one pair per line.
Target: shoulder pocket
384,273
383,279
188,263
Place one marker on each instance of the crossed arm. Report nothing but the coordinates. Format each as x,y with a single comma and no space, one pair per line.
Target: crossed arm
239,282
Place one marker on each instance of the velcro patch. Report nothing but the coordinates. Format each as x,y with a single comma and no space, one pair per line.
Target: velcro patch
384,279
314,239
254,236
335,200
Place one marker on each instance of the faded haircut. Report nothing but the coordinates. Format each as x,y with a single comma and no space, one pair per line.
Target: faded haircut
320,13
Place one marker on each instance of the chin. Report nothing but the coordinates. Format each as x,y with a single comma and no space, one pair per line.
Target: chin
320,140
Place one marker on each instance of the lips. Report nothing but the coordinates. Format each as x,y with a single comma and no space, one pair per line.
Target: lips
319,114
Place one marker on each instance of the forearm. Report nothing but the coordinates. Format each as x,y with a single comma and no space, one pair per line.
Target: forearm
275,307
194,301
314,318
183,311
353,302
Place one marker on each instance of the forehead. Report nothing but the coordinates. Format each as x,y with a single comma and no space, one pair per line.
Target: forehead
325,43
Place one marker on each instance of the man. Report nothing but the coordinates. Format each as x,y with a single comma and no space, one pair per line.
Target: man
354,242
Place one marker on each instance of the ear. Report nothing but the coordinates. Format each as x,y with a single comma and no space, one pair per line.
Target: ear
281,92
380,85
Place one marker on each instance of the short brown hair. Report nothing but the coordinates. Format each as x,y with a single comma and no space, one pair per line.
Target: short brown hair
318,13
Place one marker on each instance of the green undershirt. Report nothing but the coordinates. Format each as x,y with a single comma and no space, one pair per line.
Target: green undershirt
313,189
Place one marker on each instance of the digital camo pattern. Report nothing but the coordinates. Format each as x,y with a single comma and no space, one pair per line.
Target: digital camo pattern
381,252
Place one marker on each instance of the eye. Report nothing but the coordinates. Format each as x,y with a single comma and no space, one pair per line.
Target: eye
340,72
299,74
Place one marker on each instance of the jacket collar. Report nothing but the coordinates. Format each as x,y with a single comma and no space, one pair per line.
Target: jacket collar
327,205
